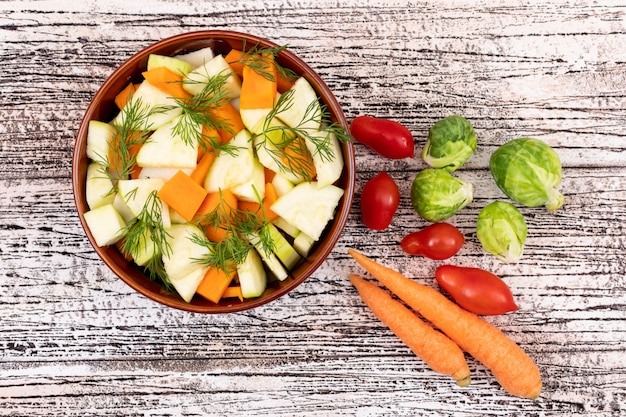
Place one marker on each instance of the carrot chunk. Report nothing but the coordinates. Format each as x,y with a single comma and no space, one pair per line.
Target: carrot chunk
183,194
262,209
259,85
220,206
202,168
215,282
234,59
167,81
233,292
229,117
123,96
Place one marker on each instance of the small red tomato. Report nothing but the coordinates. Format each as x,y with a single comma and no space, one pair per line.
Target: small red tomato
387,137
379,201
438,241
476,290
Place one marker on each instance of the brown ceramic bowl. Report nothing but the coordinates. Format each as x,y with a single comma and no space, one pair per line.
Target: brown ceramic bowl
103,108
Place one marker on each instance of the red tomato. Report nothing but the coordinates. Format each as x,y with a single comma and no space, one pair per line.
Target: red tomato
387,137
379,201
476,290
437,241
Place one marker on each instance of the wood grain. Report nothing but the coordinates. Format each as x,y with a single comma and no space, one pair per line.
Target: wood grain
76,341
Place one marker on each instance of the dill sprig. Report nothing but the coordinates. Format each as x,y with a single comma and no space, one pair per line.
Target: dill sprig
286,146
256,58
146,233
199,116
239,225
132,129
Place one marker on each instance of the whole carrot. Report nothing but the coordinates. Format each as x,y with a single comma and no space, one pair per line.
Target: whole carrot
433,347
512,367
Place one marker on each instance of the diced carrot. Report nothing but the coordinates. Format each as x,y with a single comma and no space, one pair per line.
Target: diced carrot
513,368
202,168
252,206
166,80
284,82
269,174
228,116
115,157
234,58
123,96
298,159
135,172
215,282
221,204
258,87
433,347
232,292
183,194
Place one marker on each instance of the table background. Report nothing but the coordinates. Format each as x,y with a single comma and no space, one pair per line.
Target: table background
76,341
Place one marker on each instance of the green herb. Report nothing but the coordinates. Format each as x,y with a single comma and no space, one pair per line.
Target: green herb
286,147
132,131
239,225
256,59
198,114
147,229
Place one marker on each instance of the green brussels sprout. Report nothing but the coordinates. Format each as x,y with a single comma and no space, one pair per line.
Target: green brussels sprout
501,230
437,195
451,141
528,171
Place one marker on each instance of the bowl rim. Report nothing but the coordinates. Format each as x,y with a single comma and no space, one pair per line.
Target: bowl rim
112,258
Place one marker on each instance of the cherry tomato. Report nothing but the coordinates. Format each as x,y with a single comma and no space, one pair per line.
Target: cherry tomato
387,137
438,241
379,201
476,290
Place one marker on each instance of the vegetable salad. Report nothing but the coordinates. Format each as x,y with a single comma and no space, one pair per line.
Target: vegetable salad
218,174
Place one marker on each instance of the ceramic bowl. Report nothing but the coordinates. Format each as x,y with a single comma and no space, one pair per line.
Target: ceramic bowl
102,108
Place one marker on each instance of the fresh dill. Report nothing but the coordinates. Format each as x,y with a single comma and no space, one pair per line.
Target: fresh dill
256,59
284,143
132,129
146,234
199,122
238,225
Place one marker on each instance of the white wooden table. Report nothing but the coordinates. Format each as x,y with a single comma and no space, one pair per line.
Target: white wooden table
76,341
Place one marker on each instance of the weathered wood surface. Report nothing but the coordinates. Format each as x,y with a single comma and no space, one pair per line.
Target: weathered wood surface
76,341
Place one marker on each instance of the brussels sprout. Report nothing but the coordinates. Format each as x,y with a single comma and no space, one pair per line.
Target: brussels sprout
437,195
528,171
501,230
451,141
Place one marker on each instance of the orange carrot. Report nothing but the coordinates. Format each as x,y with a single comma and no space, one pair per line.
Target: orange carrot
269,174
258,88
202,168
183,194
234,60
215,282
233,292
270,198
221,204
512,367
432,346
284,82
123,96
228,116
115,158
298,158
166,80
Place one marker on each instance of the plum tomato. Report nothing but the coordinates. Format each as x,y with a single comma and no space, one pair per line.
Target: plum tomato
379,201
437,241
386,137
476,290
